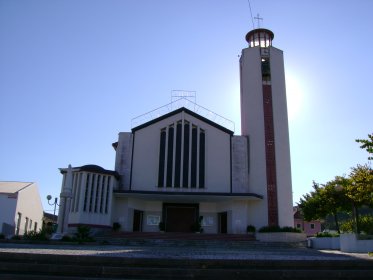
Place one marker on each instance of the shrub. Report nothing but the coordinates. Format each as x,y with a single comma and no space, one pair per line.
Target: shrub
116,226
162,226
2,236
365,224
16,237
250,228
197,226
67,238
278,229
36,235
83,234
326,234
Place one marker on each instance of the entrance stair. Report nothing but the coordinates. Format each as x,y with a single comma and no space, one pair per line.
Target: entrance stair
60,267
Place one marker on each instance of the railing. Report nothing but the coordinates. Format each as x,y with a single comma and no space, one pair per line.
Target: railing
186,103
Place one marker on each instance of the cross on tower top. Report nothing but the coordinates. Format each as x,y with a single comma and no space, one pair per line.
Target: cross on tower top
258,18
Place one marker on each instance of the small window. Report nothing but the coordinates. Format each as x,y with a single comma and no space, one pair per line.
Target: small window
312,226
298,225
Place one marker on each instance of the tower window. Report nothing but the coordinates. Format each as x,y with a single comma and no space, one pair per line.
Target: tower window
266,70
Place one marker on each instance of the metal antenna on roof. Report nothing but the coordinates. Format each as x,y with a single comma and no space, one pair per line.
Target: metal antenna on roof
251,14
186,94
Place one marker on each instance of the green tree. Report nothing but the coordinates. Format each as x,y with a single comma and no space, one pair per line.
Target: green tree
367,145
324,200
359,190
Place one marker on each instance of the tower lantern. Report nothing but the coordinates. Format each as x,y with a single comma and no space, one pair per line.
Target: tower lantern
260,37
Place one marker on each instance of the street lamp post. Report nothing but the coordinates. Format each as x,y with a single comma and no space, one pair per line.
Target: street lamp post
55,203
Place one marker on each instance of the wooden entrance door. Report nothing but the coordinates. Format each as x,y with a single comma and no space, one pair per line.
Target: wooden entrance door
223,220
180,217
137,220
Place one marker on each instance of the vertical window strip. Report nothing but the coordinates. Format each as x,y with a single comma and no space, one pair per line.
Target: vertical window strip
97,192
201,159
99,197
86,193
186,155
104,179
170,150
193,182
73,193
79,187
162,150
178,155
107,195
91,201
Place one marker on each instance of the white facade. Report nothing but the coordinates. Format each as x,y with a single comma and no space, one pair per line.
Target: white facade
21,209
181,165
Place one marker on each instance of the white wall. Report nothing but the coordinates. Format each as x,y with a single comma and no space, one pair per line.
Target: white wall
123,158
29,204
252,126
8,213
240,165
280,118
146,156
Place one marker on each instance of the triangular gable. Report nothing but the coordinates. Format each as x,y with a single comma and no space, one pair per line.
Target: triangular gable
189,112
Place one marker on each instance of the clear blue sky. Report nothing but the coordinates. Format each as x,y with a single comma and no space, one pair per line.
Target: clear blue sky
74,73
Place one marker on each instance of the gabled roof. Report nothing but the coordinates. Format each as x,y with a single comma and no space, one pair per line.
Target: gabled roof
189,112
13,187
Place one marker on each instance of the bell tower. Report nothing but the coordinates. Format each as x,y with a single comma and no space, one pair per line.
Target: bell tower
264,122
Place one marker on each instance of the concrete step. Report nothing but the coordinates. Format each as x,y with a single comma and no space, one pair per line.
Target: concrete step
191,240
42,266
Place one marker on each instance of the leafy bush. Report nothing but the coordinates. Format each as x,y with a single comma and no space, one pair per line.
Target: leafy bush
250,228
326,234
2,236
365,224
36,235
16,237
67,238
278,229
116,226
83,234
162,226
197,226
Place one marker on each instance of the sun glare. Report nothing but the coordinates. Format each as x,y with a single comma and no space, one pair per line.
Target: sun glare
293,96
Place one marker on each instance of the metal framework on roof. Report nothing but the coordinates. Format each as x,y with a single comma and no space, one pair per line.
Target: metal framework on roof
186,103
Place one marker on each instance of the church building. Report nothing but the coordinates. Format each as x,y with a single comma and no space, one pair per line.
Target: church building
183,164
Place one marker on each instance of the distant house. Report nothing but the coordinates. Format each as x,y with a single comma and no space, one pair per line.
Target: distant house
21,209
309,228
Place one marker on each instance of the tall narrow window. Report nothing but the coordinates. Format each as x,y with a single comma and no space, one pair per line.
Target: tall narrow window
92,193
104,179
107,195
162,150
186,155
86,192
170,156
202,159
178,155
97,192
193,175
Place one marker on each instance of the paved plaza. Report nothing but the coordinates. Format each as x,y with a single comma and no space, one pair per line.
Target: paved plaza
190,252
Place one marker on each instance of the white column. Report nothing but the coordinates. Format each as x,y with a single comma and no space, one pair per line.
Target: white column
65,199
